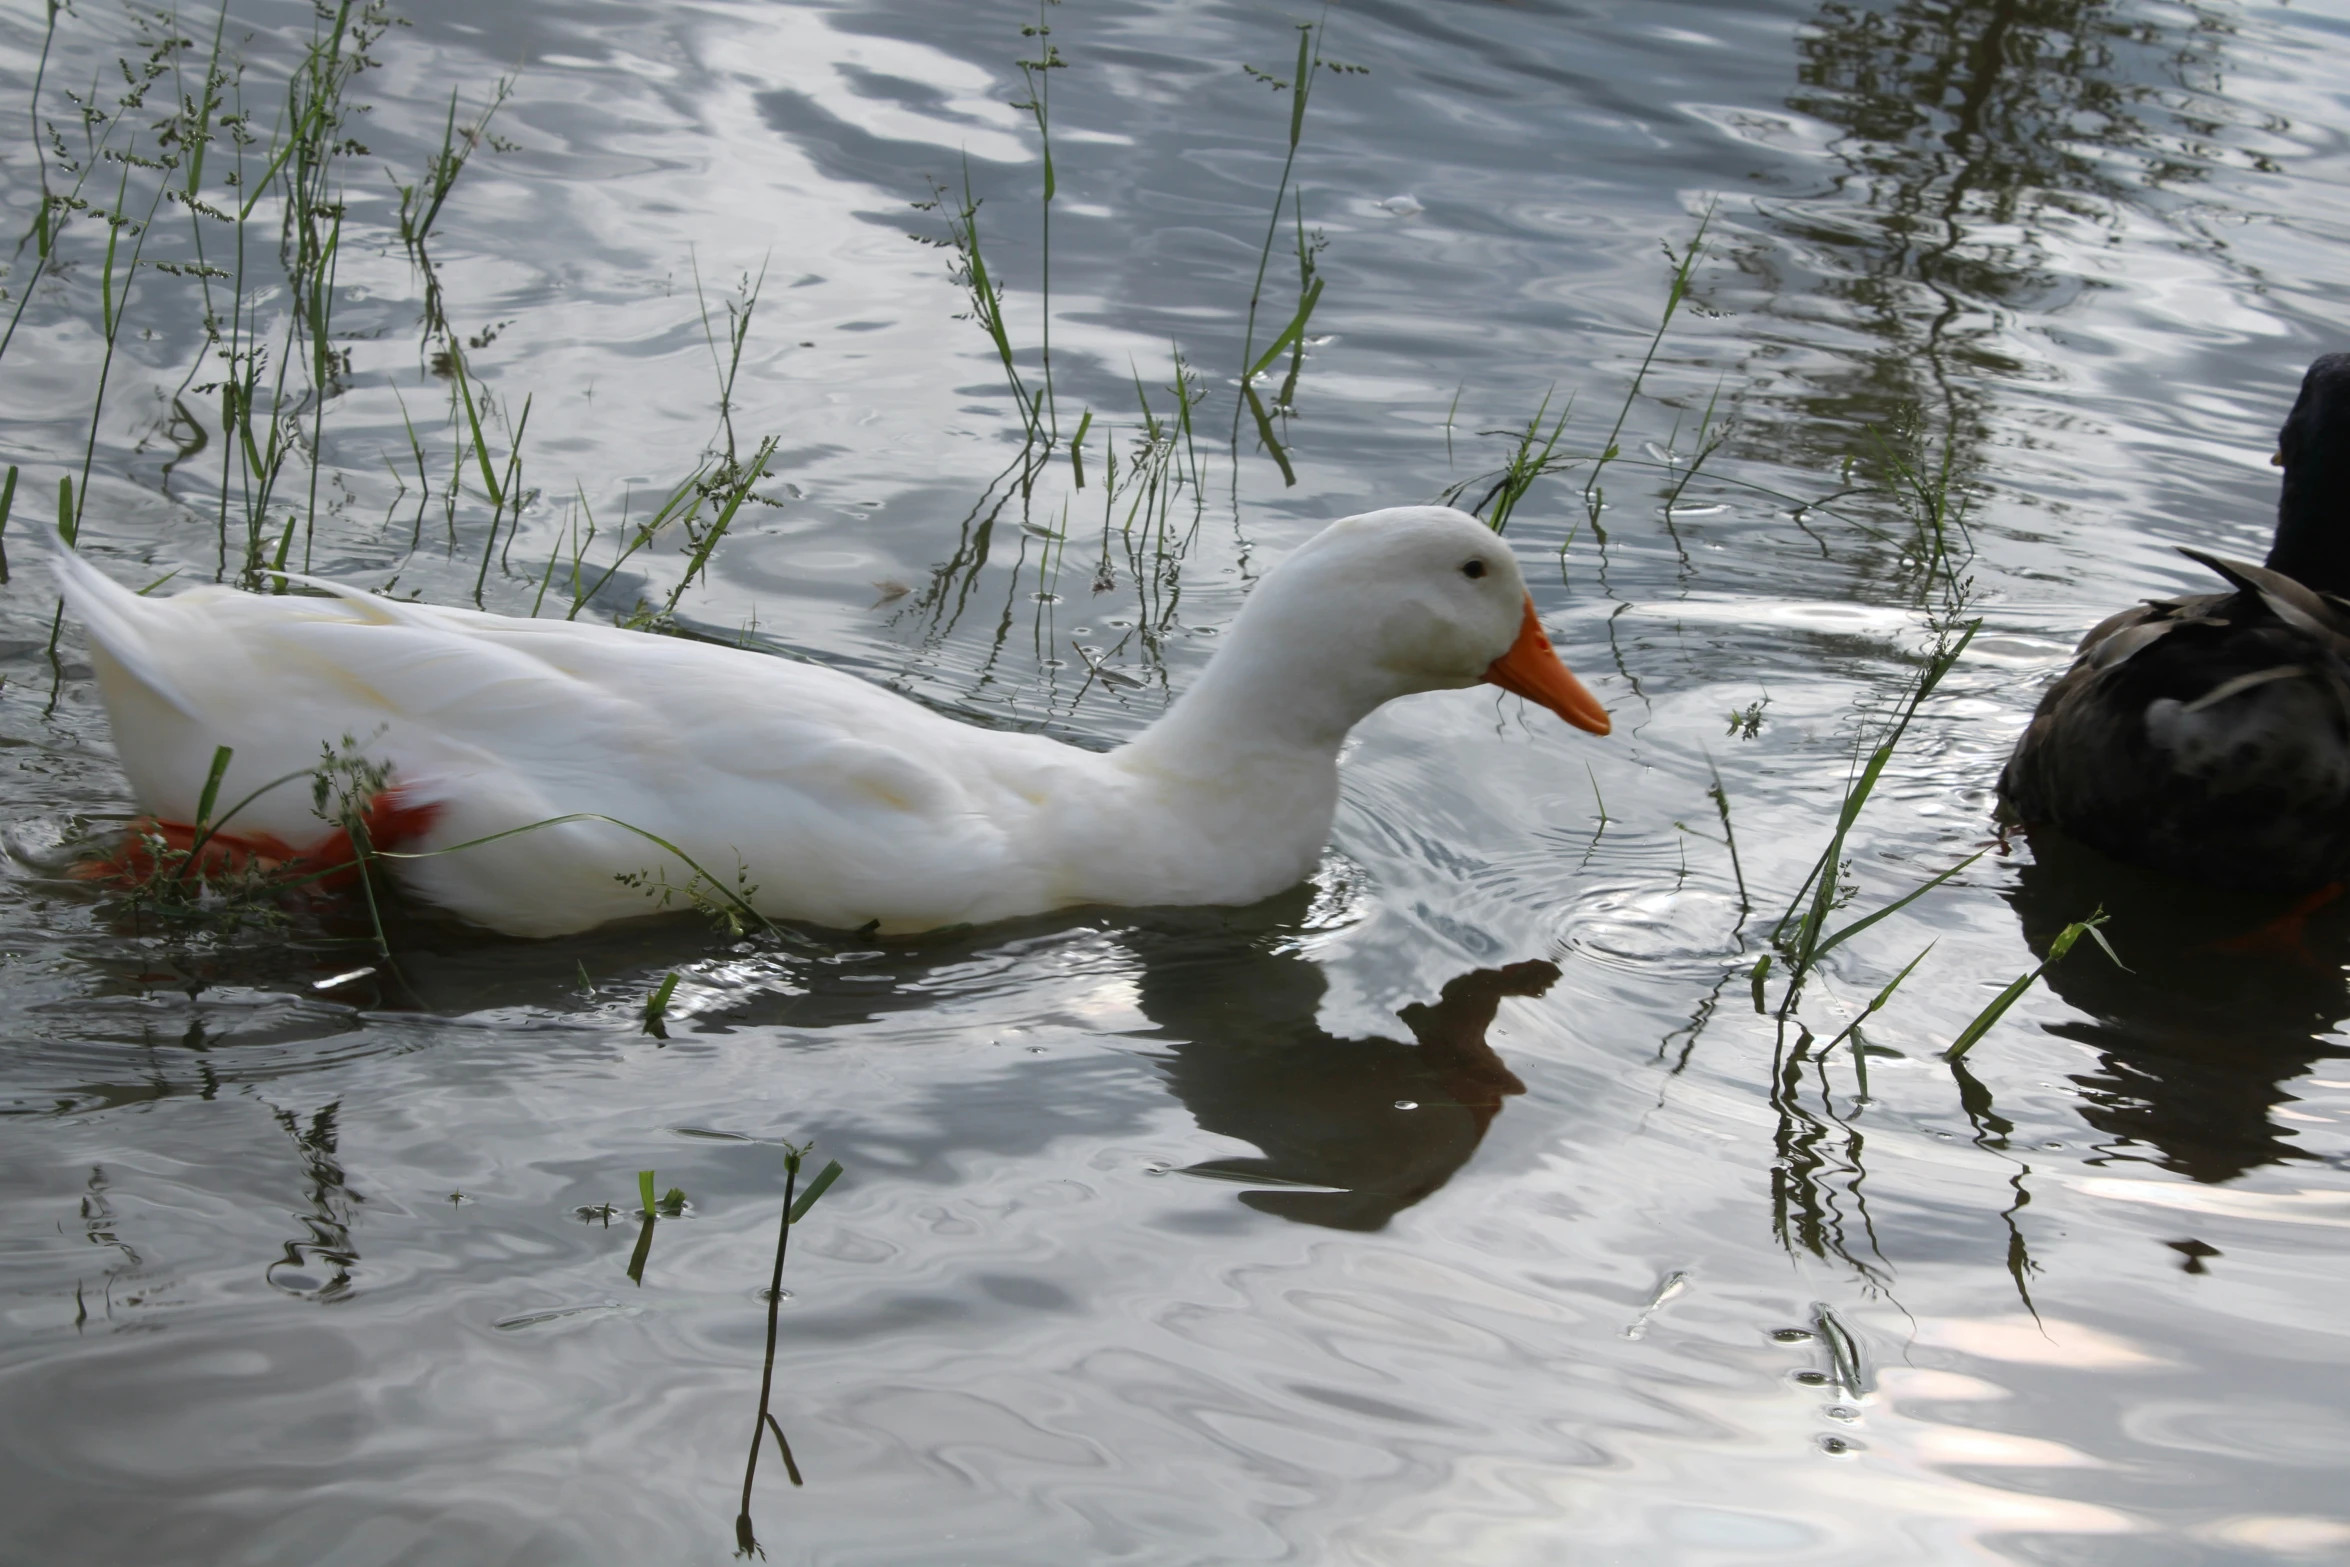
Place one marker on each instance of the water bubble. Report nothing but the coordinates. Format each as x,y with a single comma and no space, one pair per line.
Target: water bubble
1842,1412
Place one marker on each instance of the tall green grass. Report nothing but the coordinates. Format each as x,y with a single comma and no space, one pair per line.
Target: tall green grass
795,1208
1299,85
1143,489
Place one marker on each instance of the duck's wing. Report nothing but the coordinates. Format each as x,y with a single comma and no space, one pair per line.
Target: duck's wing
2209,735
2312,613
837,801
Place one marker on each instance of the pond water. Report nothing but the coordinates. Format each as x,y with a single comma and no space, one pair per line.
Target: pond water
1458,1207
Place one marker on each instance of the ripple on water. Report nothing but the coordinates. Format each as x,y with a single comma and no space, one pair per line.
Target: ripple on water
296,1274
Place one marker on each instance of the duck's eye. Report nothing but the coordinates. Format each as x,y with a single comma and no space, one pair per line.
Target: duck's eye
1474,568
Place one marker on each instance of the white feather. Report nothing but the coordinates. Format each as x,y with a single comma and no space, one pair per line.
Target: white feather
838,802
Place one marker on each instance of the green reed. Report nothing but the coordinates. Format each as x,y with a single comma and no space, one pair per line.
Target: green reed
656,1023
969,271
263,195
727,365
1300,87
2063,943
1158,471
1710,438
1291,339
1684,263
1818,1166
795,1209
421,200
1037,75
1925,490
1533,454
1533,449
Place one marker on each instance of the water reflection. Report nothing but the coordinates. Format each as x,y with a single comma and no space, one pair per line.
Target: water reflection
1976,136
317,1264
2223,1005
1353,1130
1819,1169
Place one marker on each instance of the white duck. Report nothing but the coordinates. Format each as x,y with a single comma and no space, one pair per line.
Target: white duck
840,803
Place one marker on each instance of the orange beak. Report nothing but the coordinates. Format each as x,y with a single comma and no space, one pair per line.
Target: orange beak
1531,670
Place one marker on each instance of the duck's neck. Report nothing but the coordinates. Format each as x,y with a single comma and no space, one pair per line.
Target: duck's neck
1229,797
1245,705
2313,524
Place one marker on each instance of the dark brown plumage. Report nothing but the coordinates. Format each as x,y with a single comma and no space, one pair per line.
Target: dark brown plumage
2210,736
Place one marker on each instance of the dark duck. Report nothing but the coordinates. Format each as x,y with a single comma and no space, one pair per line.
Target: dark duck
2210,736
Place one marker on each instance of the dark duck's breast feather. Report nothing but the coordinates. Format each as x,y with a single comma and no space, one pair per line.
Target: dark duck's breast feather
2210,735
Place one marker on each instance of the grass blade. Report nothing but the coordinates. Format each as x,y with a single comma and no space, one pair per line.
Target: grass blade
816,1188
1984,1020
656,1011
644,1245
1876,1003
481,446
1299,85
1895,907
1256,407
1289,333
1990,1015
725,518
211,794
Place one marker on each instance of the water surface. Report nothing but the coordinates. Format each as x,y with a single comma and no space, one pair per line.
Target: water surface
1458,1207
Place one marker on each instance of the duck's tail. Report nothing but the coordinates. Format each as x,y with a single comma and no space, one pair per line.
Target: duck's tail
114,618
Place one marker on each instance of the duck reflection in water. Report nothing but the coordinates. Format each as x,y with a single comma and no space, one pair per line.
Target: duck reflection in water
1352,1130
2224,1003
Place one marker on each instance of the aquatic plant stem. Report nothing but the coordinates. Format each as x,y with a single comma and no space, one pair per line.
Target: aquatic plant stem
1593,498
1301,85
766,1420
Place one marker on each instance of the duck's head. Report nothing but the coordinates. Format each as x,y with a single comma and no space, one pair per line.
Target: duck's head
1414,598
2313,512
